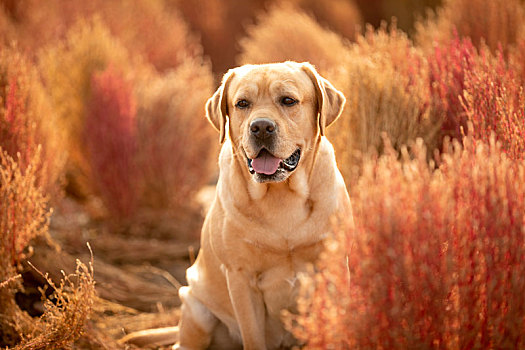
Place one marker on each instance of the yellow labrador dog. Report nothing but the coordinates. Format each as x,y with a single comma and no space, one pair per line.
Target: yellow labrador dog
278,188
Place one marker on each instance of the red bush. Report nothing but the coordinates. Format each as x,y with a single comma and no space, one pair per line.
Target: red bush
27,120
470,84
110,135
447,67
17,132
494,102
437,259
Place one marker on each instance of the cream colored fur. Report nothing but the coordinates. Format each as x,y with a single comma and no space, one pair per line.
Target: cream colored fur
257,237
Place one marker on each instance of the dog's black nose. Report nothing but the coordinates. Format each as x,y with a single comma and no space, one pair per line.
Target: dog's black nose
262,128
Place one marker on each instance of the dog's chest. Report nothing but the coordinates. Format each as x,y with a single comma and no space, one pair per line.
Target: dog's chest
279,283
283,223
285,210
279,286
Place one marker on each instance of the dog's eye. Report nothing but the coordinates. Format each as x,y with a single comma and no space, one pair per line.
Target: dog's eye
242,104
288,101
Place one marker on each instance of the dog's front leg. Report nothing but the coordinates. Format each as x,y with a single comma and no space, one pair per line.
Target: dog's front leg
248,306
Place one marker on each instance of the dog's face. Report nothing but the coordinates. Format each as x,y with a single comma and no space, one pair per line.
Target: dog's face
272,119
275,113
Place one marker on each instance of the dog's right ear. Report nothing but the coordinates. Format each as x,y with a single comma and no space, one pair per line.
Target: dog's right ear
217,107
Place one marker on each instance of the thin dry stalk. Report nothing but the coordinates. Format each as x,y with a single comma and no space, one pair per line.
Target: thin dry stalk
65,317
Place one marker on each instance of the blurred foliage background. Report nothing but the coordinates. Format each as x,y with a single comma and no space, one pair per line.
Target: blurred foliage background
103,140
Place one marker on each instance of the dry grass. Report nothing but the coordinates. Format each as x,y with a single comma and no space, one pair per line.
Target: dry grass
24,215
429,266
385,80
280,35
24,210
165,135
66,315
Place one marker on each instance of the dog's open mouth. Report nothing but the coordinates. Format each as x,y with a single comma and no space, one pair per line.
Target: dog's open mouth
266,164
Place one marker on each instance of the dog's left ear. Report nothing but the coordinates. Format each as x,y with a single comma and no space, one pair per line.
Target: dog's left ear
330,101
217,107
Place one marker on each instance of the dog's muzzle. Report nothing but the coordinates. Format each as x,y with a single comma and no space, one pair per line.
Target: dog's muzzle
268,165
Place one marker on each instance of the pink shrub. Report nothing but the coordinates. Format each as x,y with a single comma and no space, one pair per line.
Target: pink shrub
447,67
436,259
27,120
110,135
17,132
494,101
470,84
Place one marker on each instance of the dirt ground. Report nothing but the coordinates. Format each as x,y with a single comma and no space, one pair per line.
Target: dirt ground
138,267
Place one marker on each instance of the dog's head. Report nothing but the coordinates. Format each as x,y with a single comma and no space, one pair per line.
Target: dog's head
274,113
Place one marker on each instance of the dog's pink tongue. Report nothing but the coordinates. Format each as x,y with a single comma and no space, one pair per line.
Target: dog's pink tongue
265,163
